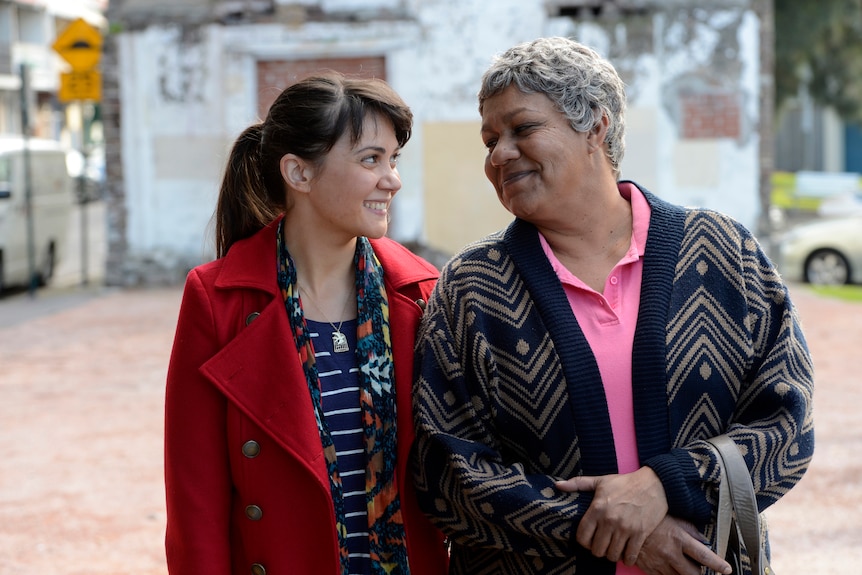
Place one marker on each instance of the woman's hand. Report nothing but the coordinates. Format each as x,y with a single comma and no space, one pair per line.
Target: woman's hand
676,548
624,512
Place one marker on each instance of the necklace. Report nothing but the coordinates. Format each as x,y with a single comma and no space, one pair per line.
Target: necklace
339,340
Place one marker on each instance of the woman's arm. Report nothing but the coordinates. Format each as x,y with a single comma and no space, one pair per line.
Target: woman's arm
197,476
759,389
463,481
743,368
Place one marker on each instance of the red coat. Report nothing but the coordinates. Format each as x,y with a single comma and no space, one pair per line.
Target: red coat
235,378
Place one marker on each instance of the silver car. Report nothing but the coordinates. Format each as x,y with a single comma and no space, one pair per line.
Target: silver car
827,251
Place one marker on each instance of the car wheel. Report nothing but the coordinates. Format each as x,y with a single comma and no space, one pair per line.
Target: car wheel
827,267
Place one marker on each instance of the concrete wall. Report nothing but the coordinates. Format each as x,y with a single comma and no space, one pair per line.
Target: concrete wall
460,204
187,92
692,86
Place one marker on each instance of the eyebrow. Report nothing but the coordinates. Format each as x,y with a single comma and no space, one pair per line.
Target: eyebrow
378,149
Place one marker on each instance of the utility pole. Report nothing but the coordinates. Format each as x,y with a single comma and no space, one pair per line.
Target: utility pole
765,10
28,179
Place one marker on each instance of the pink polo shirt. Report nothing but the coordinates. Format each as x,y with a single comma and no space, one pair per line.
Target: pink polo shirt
608,321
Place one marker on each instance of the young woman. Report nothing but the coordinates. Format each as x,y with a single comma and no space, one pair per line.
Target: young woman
288,404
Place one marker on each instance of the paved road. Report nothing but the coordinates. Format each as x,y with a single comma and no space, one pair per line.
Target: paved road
81,398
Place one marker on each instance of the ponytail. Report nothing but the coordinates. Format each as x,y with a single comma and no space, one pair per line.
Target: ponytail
244,205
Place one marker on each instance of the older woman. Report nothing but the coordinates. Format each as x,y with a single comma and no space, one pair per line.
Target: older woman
571,366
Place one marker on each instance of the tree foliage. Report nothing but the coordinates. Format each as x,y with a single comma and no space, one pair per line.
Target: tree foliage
820,39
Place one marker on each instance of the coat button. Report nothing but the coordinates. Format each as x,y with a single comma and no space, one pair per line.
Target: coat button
253,512
251,449
421,303
251,317
258,569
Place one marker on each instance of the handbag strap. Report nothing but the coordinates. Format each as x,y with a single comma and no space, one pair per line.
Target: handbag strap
736,494
724,515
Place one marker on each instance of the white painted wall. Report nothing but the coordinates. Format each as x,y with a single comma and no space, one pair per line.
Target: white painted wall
174,151
721,173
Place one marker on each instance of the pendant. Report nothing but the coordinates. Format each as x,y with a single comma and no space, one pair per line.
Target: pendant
339,342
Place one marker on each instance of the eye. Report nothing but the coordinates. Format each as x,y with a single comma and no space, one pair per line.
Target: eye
490,143
393,161
372,159
521,129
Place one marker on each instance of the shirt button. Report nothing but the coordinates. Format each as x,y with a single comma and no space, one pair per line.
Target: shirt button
258,569
614,280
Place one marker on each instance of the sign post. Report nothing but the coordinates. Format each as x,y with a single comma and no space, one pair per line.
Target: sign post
80,44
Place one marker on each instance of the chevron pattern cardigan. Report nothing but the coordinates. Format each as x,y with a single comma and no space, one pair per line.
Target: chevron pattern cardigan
508,396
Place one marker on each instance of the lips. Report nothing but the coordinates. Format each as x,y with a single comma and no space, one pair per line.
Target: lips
512,177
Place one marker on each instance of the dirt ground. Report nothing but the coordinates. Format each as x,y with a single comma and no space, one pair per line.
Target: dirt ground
81,399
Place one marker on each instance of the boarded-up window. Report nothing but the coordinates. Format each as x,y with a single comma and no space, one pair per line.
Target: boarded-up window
273,76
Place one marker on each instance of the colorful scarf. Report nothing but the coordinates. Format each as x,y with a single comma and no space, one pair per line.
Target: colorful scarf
377,399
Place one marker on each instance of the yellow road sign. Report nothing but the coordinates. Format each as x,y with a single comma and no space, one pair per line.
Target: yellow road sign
80,44
80,86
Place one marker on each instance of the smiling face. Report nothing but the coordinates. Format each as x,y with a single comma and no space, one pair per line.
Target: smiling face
350,192
536,161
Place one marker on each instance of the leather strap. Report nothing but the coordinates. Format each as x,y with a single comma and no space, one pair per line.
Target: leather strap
736,497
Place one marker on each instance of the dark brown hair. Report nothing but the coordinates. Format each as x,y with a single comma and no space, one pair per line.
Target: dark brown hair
306,119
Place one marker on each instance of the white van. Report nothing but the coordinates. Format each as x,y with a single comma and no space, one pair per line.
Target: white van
52,197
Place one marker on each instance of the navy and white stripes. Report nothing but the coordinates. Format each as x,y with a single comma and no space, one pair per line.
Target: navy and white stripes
339,385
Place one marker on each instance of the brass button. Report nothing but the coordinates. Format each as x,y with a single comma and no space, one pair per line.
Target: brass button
421,303
253,512
251,317
258,569
251,449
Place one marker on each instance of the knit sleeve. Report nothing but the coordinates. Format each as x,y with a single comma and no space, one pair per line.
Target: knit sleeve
743,368
467,479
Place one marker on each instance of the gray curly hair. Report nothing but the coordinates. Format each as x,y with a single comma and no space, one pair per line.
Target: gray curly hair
582,84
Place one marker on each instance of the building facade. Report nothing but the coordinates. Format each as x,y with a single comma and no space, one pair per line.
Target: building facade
184,78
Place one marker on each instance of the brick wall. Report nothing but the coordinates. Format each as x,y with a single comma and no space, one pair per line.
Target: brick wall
273,76
711,115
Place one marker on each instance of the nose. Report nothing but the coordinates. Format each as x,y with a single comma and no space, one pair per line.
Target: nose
390,180
503,151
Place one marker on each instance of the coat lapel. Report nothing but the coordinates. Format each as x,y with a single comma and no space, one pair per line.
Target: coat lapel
260,372
259,369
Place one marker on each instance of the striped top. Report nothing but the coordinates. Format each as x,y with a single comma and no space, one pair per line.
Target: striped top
339,385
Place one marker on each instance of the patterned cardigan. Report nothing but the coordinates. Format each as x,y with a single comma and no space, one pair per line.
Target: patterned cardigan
508,396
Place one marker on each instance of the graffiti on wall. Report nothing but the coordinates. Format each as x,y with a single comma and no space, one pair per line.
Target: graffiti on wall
182,66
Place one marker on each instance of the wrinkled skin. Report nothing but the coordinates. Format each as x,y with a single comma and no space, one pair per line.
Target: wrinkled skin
628,521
